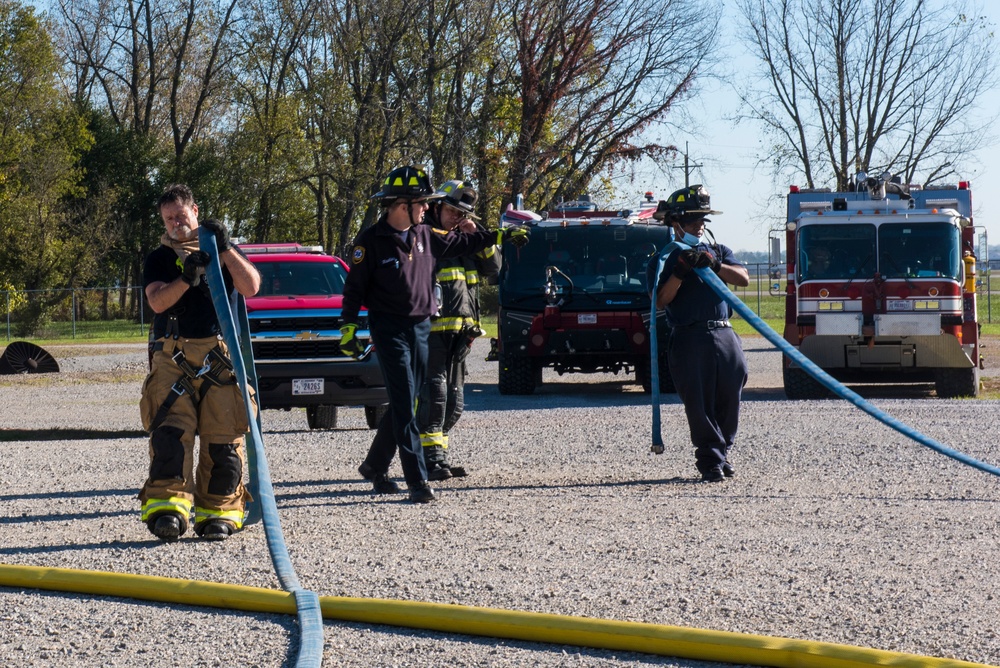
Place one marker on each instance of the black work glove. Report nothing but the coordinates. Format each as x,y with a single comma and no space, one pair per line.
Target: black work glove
516,234
222,239
704,258
194,267
716,262
685,263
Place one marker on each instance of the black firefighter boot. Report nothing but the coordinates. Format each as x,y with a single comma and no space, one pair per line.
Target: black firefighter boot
437,468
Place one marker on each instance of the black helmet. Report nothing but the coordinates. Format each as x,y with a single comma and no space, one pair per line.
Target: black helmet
689,203
459,195
409,182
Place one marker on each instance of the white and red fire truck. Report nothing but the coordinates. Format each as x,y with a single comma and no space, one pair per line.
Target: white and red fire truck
881,286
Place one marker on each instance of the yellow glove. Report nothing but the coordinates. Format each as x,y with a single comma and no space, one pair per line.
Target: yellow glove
349,344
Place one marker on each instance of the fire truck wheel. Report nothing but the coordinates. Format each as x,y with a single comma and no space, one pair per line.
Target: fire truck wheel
644,377
374,414
321,417
951,383
516,375
800,385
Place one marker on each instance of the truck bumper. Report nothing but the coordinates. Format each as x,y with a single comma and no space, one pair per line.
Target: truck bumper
346,382
903,353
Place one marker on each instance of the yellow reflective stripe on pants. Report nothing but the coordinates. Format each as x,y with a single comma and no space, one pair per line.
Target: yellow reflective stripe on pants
174,504
447,324
431,440
451,274
234,516
454,324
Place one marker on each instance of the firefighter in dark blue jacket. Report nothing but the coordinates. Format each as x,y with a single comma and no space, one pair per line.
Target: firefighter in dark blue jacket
705,354
392,273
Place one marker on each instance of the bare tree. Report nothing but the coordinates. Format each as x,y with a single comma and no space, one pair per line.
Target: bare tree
152,65
884,84
267,143
593,75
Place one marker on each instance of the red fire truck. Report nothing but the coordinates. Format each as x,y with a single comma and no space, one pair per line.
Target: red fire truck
881,286
575,299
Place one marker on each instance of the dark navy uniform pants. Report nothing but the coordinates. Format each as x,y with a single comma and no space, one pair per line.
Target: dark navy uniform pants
709,372
401,344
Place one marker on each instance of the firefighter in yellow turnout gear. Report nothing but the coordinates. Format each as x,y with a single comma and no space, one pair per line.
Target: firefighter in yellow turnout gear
453,330
191,388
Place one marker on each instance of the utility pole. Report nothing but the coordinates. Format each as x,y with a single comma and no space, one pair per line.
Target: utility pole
687,166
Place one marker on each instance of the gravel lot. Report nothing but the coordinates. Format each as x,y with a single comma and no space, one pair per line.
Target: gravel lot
836,528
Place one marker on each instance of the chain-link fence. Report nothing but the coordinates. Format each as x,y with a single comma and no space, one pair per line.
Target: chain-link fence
100,313
80,313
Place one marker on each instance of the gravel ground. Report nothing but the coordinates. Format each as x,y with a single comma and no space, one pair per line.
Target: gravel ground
835,529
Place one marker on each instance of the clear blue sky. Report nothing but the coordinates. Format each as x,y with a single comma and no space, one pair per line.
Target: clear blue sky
740,189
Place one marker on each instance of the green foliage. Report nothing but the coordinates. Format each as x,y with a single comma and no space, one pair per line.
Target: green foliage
41,140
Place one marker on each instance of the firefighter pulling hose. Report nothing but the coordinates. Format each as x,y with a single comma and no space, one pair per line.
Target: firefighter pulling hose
808,366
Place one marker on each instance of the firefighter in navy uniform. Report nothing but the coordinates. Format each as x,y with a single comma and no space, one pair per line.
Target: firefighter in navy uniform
392,273
453,330
704,353
190,388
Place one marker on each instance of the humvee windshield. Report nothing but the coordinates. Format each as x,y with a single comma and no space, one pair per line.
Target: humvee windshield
606,264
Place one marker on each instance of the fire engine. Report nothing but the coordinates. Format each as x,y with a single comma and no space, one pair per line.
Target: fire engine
881,286
575,299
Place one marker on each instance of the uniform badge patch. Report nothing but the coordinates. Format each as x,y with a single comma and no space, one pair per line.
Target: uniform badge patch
358,255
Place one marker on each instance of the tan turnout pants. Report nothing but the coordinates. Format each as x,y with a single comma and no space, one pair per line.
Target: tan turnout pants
215,489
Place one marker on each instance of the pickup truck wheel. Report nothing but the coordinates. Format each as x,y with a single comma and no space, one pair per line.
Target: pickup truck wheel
951,383
800,385
644,377
516,375
374,414
321,417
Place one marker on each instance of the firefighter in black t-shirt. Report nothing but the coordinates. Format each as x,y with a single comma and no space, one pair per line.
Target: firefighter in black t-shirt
191,388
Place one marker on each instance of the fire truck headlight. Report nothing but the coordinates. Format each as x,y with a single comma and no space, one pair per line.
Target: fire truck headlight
831,306
927,305
790,226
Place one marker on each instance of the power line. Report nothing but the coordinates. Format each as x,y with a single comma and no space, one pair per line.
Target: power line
687,166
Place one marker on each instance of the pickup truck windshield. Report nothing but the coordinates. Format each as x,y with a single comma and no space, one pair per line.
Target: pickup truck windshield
300,278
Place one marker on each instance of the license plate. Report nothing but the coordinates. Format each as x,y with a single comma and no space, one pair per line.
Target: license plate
900,305
302,386
586,319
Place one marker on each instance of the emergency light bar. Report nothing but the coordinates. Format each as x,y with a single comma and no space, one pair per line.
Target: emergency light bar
280,248
943,203
815,206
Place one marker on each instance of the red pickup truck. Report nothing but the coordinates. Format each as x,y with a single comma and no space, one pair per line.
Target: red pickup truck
295,323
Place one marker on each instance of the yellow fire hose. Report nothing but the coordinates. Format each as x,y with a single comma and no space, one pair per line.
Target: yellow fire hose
674,641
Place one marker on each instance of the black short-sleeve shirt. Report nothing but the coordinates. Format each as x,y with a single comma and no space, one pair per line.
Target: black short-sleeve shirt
195,313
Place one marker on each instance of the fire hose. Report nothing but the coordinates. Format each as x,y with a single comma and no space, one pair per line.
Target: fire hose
307,602
699,644
804,362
